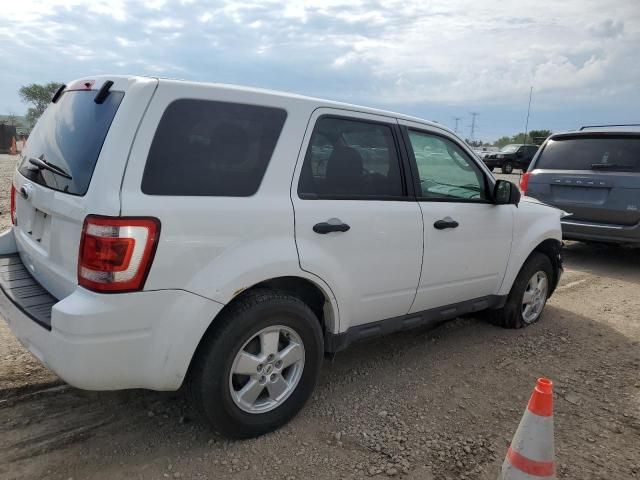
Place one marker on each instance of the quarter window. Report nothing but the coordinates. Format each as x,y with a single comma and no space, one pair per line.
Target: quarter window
350,159
207,148
446,172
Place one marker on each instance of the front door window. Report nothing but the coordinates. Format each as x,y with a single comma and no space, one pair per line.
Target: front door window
446,172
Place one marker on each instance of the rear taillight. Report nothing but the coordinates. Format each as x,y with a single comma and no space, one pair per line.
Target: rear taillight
524,182
116,252
13,204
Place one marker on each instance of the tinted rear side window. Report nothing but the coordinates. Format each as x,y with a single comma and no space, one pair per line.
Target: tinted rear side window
69,135
351,159
207,148
598,152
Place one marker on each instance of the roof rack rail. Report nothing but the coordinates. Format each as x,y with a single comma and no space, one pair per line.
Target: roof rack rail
603,126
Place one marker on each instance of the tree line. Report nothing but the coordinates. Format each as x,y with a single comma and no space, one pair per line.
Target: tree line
535,137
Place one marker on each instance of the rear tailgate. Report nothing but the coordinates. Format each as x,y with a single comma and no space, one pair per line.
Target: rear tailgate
90,142
595,177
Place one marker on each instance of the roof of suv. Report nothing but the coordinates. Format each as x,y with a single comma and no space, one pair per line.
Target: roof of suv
624,128
302,98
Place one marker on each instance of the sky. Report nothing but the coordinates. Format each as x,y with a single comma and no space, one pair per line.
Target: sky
429,58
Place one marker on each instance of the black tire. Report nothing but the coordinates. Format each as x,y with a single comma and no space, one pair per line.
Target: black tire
511,315
507,167
208,382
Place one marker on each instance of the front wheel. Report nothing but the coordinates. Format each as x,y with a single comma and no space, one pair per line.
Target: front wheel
258,366
507,167
528,295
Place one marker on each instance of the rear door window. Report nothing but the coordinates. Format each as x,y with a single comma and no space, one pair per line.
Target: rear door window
599,152
69,135
350,158
209,148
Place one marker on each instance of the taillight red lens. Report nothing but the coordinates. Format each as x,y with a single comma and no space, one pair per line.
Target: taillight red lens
116,252
524,182
107,254
13,204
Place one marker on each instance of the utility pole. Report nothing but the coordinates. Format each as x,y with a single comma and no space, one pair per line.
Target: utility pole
473,125
457,120
526,126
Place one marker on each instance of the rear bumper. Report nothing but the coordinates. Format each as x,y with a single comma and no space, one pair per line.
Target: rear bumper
116,341
587,231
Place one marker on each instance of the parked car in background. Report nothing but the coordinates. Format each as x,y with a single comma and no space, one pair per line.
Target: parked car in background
482,152
594,174
510,157
225,237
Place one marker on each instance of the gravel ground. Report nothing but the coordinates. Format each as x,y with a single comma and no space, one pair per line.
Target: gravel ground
428,404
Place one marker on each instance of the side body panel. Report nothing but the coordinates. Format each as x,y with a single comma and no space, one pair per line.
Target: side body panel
373,268
469,261
218,246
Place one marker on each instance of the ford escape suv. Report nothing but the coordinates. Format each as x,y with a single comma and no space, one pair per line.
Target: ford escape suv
167,232
594,174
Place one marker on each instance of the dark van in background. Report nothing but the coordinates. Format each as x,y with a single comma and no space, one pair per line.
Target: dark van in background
593,174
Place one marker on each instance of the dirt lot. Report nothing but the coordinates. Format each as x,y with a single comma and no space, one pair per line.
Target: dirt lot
439,404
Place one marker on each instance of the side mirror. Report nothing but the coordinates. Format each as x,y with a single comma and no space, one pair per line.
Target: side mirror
506,193
519,153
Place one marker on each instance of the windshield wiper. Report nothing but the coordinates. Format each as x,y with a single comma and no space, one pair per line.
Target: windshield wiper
44,165
602,166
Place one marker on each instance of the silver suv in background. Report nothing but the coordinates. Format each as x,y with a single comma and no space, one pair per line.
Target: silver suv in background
593,174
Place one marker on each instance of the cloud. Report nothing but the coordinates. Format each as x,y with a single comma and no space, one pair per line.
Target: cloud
418,55
607,28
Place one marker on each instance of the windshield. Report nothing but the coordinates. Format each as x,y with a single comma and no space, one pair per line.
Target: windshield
509,148
68,137
598,152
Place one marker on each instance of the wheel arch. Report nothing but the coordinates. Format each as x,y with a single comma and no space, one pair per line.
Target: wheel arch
317,298
552,248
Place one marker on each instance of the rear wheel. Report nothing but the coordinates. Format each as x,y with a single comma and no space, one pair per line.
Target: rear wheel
258,366
528,295
507,167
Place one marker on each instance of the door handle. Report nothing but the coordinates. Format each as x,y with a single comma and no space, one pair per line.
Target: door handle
446,222
335,226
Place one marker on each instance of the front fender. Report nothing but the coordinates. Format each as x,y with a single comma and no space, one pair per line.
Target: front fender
533,224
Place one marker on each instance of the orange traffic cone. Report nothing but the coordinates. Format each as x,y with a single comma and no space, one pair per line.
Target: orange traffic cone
13,150
531,454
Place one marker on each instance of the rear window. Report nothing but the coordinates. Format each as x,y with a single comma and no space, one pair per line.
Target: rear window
208,148
611,152
69,135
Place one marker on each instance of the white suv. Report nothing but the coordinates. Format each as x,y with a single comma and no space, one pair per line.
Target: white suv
168,231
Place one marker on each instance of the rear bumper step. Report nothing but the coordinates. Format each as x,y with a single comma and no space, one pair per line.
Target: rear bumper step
579,230
24,291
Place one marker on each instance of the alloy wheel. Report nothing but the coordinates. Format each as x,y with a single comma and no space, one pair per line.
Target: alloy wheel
535,296
267,369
